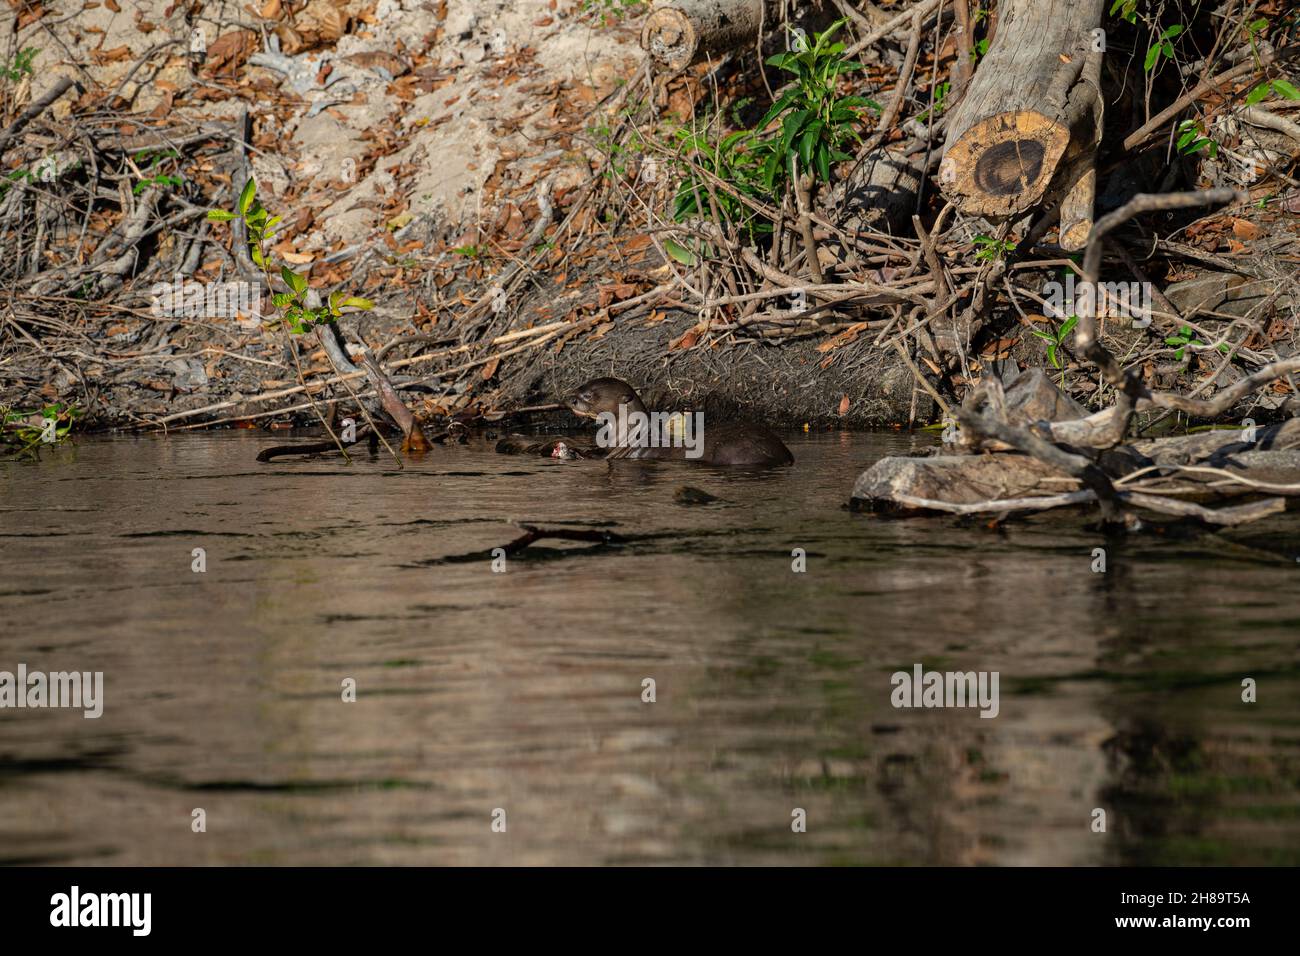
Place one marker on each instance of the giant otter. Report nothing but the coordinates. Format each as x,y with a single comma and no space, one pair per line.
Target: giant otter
731,444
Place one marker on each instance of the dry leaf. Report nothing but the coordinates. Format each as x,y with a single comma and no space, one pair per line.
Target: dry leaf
229,51
687,339
1245,229
333,24
616,292
291,40
111,56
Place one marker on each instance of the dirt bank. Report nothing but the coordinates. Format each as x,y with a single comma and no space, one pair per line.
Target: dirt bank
504,181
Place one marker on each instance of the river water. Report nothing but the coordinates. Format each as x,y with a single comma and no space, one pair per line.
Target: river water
499,716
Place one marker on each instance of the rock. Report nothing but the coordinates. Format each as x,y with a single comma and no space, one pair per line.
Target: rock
1224,292
188,375
1034,397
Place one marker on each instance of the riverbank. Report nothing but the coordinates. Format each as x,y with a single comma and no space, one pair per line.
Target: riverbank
501,179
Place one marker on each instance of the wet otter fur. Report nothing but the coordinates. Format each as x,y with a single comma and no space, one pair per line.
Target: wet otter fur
741,443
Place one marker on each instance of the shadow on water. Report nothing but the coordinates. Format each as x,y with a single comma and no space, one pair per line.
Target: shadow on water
521,690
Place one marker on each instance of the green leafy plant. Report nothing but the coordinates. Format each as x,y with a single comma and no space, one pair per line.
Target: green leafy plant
1163,46
735,159
1185,339
815,121
20,65
1282,88
987,249
148,161
621,156
1055,340
1126,10
941,91
297,314
14,176
610,11
19,438
1191,139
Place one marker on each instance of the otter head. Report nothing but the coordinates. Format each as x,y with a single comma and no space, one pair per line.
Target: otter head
603,395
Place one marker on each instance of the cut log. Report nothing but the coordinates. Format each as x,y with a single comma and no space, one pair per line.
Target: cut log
683,31
1008,135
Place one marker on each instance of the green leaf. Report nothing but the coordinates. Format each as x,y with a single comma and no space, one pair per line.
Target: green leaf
281,299
679,252
357,302
1257,94
810,138
246,197
1153,54
1284,88
295,282
1171,32
780,106
791,127
220,215
771,169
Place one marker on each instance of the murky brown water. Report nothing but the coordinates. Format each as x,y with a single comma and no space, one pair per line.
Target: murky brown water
522,690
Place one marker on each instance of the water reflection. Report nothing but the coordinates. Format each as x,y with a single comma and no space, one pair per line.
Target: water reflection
523,690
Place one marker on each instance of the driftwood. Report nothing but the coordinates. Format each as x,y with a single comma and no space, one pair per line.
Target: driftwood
1009,134
1172,476
533,534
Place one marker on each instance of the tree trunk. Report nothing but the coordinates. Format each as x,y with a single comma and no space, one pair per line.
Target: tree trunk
683,31
1010,131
